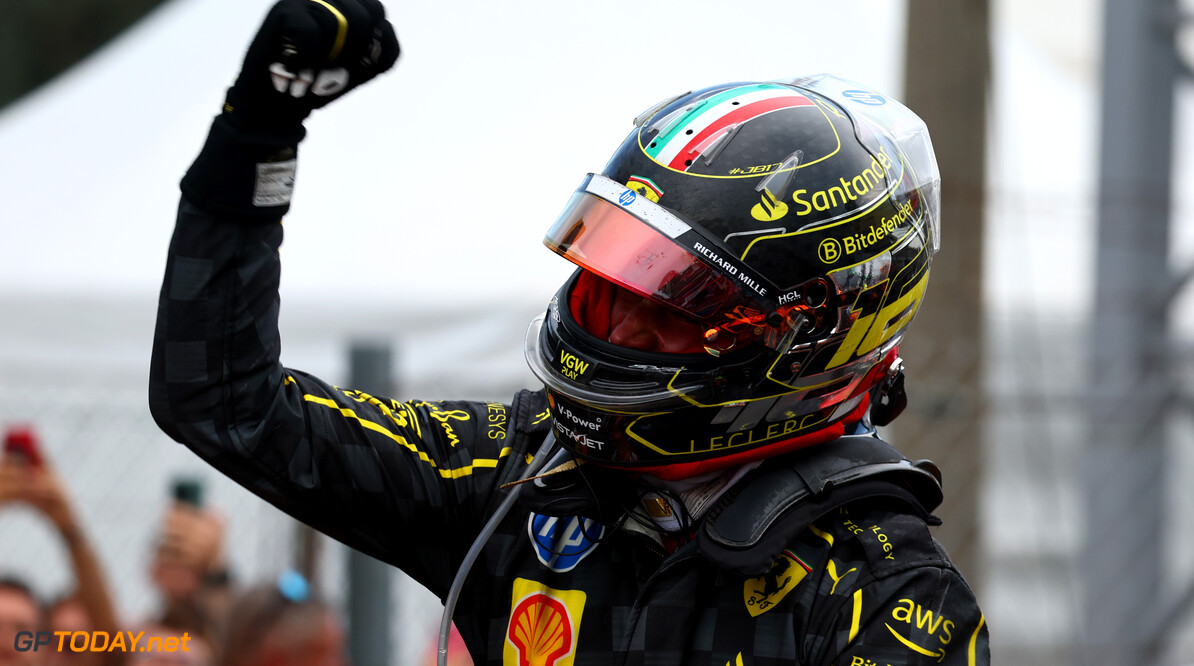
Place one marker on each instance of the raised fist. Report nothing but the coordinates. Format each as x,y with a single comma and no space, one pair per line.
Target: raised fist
306,54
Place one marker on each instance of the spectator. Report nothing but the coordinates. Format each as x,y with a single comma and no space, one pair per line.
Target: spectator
26,477
70,615
189,572
283,624
18,612
197,652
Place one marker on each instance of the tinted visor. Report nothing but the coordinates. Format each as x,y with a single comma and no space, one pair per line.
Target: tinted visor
629,240
607,240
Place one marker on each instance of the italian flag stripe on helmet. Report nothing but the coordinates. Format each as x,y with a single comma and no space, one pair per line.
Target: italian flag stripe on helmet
696,128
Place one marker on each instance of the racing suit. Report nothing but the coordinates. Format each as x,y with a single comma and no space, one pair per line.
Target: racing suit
563,580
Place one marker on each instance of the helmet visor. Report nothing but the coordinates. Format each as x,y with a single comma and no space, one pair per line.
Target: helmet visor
603,238
632,243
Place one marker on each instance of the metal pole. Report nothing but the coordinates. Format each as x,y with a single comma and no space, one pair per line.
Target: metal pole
947,75
307,551
369,580
1130,378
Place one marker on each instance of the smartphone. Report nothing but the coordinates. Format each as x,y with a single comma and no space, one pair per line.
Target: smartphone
188,490
21,442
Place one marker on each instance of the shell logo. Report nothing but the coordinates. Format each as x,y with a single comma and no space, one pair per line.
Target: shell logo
544,623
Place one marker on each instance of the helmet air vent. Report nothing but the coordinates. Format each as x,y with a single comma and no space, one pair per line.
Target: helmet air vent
719,143
781,179
643,117
669,122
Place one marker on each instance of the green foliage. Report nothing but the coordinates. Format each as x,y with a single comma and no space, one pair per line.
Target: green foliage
39,39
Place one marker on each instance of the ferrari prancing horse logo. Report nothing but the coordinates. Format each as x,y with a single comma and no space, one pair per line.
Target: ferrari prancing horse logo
645,187
761,593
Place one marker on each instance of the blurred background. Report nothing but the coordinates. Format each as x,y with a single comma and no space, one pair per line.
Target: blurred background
1049,370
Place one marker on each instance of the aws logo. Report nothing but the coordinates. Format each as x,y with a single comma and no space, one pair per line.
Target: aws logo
769,209
927,622
544,624
761,593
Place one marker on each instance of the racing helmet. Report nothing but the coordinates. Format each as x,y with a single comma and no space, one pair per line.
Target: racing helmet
794,222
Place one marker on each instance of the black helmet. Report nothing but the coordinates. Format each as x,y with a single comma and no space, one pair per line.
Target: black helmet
795,221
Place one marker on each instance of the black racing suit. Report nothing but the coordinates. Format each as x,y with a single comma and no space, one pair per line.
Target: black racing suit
412,483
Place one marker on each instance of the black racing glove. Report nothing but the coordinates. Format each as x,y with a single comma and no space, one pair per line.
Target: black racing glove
306,54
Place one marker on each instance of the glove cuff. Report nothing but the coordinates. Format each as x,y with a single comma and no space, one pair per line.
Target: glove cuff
243,174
